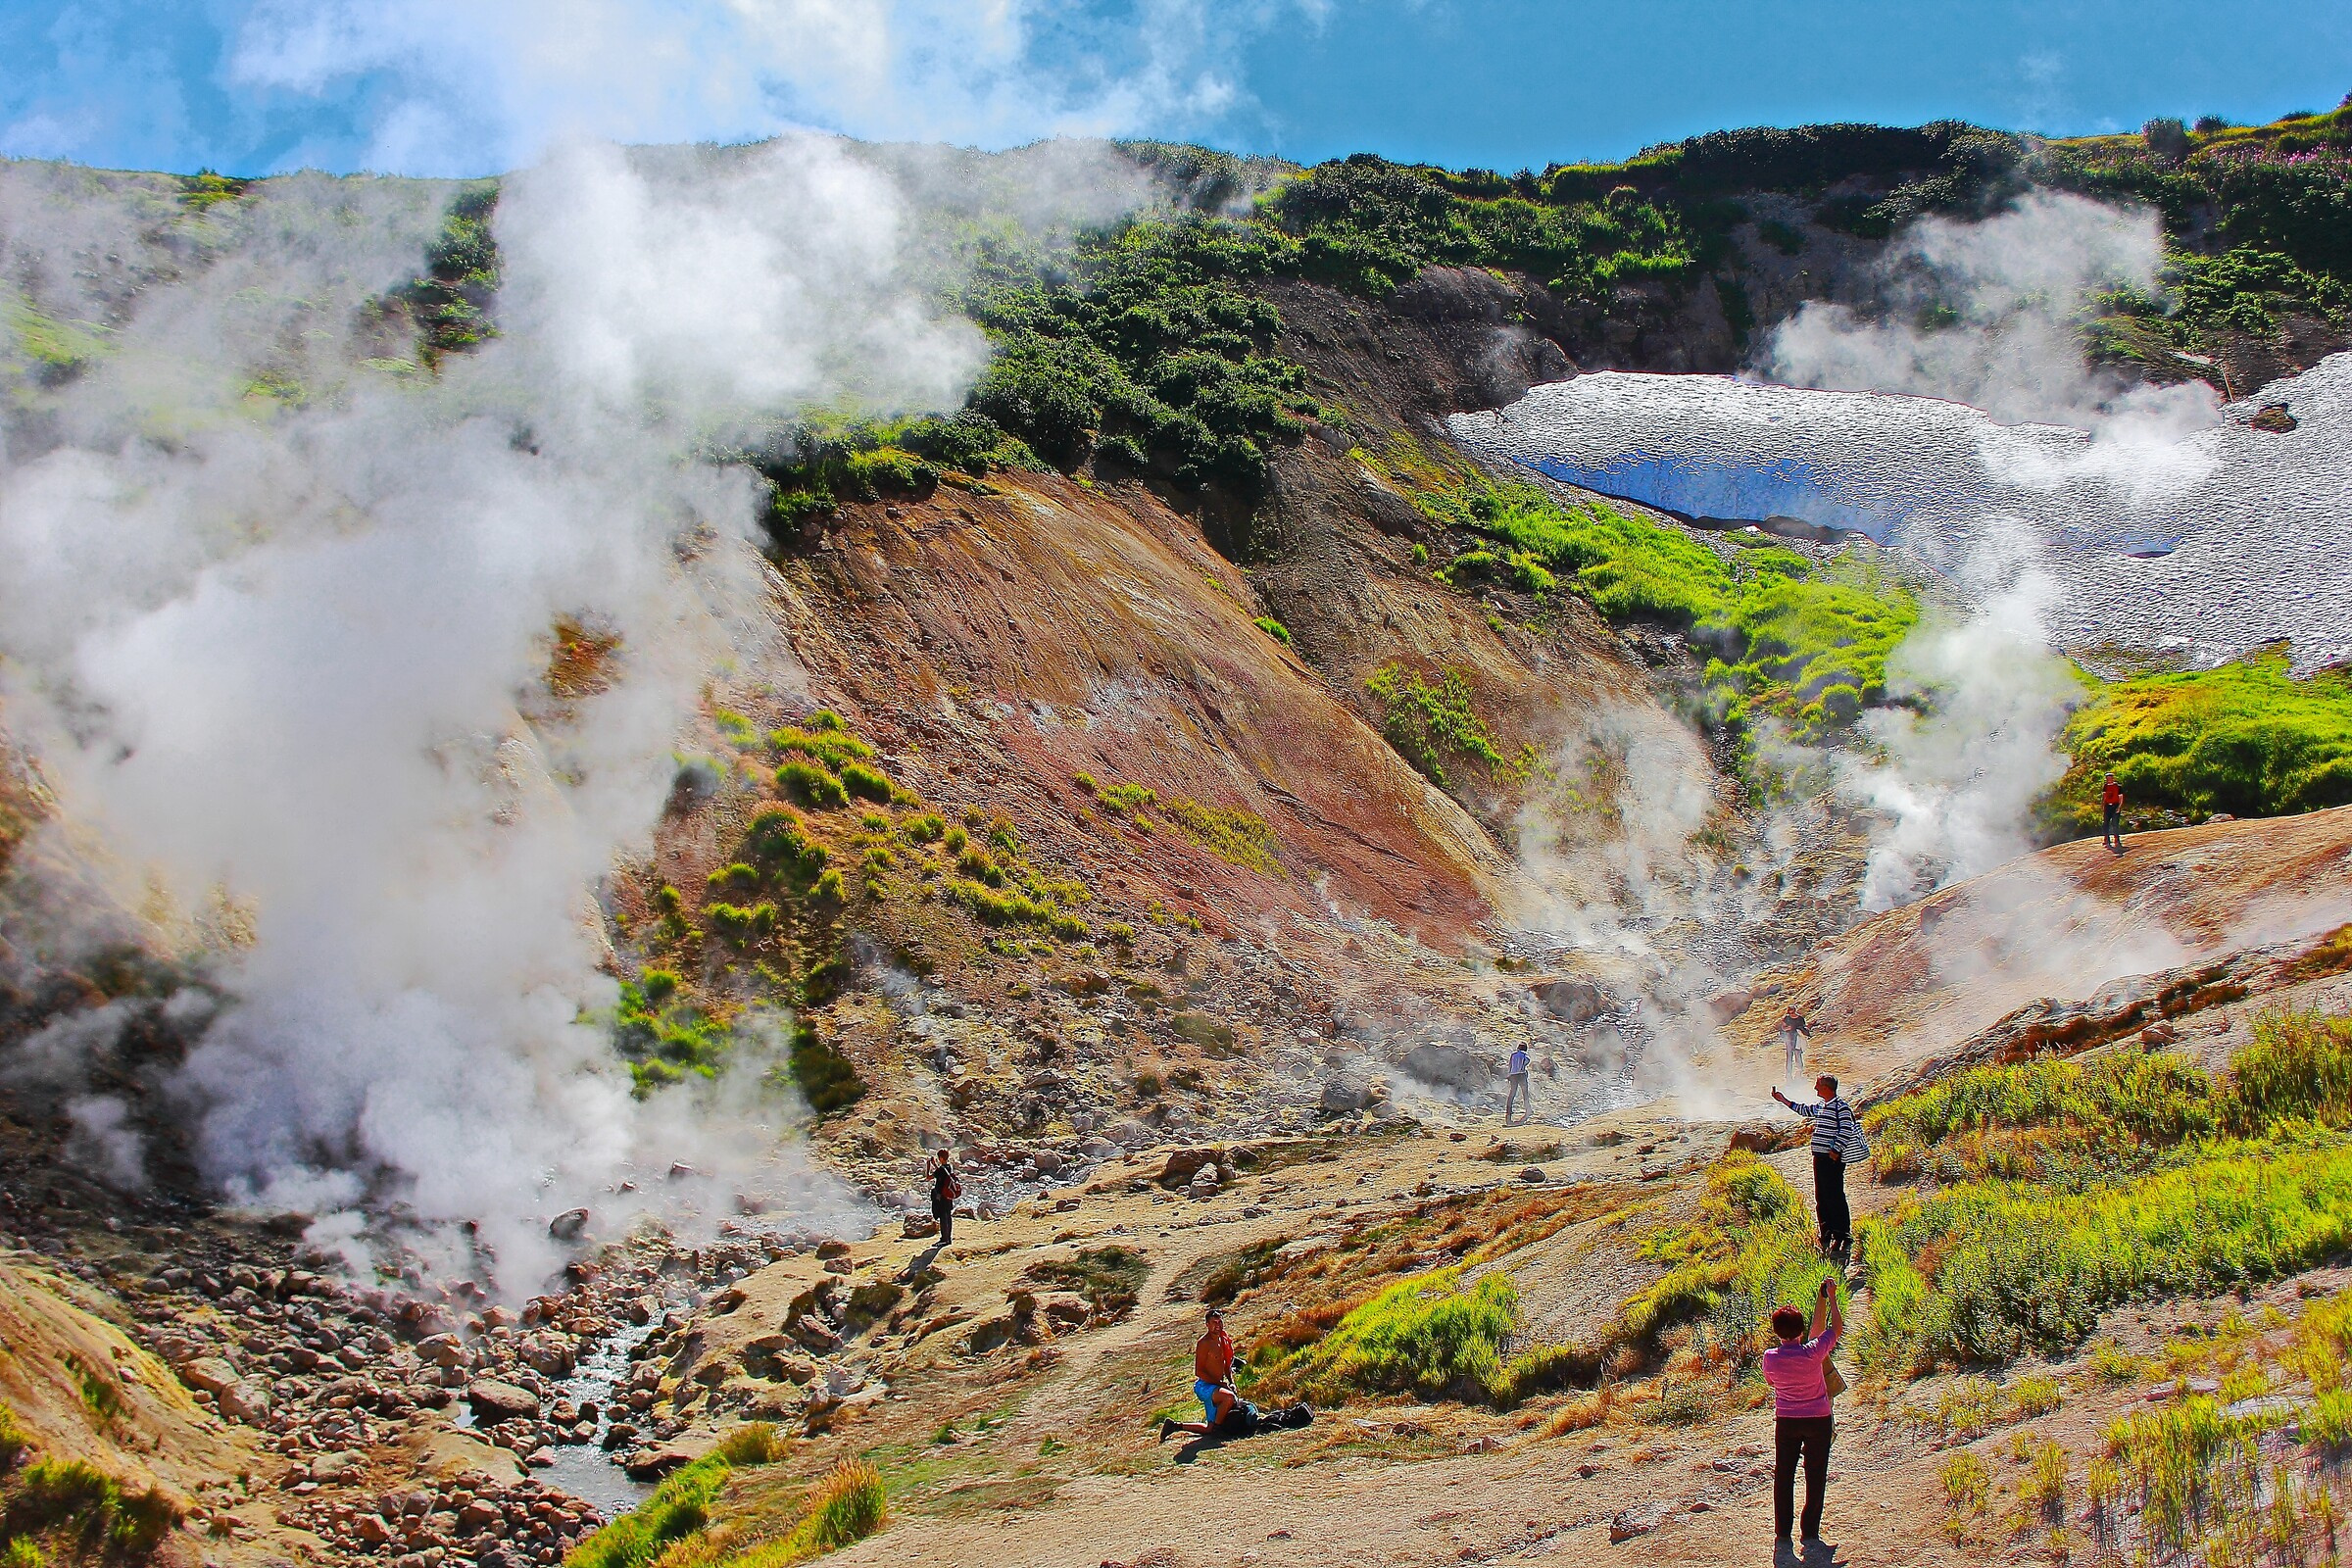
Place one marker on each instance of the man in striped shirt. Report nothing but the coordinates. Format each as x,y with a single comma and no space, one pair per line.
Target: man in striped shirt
1836,1138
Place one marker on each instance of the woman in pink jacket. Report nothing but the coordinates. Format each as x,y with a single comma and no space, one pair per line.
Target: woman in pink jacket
1800,1394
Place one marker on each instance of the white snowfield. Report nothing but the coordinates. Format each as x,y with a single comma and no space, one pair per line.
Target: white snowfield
2188,545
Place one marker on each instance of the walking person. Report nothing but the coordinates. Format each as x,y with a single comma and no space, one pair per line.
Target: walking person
1519,1089
1837,1140
2111,811
1795,1031
946,1191
1799,1372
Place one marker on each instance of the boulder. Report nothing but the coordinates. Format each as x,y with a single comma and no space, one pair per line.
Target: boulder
1204,1182
1184,1164
1627,1523
918,1226
209,1373
1450,1065
567,1226
1725,1006
245,1401
1572,1002
1340,1096
494,1402
1765,1138
1130,1132
653,1463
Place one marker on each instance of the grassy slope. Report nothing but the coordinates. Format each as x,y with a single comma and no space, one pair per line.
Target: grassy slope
2245,738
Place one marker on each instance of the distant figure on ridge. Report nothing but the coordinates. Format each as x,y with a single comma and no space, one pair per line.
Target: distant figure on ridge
1519,1089
1799,1373
1837,1141
946,1191
1795,1031
2110,804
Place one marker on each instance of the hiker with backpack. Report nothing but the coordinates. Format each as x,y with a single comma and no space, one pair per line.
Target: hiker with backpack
1803,1384
946,1191
1838,1142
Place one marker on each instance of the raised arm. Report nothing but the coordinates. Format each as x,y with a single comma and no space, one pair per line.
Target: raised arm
1824,1309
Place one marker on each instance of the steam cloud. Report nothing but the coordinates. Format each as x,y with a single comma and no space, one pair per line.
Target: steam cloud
2007,295
294,655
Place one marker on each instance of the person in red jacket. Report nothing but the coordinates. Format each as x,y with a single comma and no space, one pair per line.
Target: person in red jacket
2111,800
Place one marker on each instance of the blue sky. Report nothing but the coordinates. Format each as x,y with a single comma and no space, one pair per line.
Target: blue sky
473,86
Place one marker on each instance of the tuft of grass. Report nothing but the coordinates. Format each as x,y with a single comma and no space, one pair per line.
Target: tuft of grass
1109,1277
80,1502
1967,1487
1231,834
810,784
866,783
1274,629
848,1505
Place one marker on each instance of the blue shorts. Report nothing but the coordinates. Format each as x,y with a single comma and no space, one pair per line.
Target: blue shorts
1206,1393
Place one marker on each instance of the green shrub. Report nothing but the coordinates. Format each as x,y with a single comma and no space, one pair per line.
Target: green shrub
13,1440
828,1080
1274,629
888,471
822,740
811,785
2023,1268
927,828
866,783
775,840
2299,1065
735,878
740,924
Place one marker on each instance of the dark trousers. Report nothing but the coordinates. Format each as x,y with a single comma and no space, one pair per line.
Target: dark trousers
944,1214
1810,1438
1829,1194
2113,830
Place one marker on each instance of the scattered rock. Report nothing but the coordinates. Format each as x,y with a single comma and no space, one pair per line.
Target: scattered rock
653,1463
1572,1002
1627,1523
1533,1174
2273,417
567,1226
917,1226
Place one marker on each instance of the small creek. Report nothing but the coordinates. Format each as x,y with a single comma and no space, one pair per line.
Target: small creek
587,1470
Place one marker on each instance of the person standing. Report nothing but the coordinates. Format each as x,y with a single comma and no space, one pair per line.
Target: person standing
1795,1031
2111,811
1519,1089
1837,1140
946,1191
1798,1371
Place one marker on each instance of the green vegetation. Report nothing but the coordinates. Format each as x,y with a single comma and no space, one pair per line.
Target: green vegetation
848,1505
1430,724
56,347
1109,1277
1805,644
823,739
2245,738
1274,629
1425,1335
999,885
2084,1186
810,784
662,1037
2260,224
828,1080
678,1508
695,1520
86,1510
451,303
1751,1250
